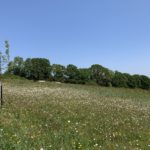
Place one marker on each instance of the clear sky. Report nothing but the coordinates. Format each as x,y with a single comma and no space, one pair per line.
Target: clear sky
113,33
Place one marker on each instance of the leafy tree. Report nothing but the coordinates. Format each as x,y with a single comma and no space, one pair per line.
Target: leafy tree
103,76
142,81
85,74
73,75
16,66
58,72
7,56
28,68
145,82
137,79
131,81
37,68
4,58
119,80
72,71
96,71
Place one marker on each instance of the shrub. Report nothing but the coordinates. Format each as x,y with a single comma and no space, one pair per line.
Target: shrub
131,81
137,79
119,80
145,82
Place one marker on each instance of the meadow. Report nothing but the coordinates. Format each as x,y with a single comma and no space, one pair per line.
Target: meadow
54,116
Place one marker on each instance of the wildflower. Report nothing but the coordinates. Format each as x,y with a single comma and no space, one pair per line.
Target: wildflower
68,121
77,123
1,130
32,137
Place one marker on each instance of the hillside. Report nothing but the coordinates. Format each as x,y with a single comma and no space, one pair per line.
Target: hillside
68,117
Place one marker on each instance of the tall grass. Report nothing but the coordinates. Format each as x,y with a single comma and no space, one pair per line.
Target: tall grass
51,116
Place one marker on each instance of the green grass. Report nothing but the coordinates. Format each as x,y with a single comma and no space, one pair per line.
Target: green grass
54,116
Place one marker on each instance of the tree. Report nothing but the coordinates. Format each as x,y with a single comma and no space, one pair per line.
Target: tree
37,68
28,68
4,58
137,79
96,71
119,80
16,66
103,76
85,74
142,81
145,82
72,74
72,71
58,72
131,81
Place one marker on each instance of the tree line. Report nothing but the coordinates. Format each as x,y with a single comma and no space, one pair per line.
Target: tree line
41,69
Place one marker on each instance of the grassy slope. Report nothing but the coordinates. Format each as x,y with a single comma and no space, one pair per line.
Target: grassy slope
64,116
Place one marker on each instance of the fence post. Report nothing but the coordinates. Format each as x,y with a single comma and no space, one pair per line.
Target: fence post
1,92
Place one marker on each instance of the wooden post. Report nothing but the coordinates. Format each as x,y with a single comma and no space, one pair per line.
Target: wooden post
1,92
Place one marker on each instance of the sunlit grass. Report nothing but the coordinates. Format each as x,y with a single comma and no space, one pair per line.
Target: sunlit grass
68,117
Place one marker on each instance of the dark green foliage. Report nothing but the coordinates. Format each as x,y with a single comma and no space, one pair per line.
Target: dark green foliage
85,74
40,69
131,82
7,77
74,81
137,79
27,68
119,80
96,70
58,72
103,76
16,66
7,46
142,81
37,68
72,71
73,75
145,82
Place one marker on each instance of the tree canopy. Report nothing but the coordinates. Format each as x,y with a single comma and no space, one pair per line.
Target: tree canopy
41,69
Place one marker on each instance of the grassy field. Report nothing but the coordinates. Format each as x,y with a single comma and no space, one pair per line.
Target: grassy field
53,116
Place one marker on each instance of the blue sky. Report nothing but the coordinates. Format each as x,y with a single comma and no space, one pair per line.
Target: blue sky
113,33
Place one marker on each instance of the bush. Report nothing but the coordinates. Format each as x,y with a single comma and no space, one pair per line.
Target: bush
145,82
119,80
12,77
131,81
74,81
137,79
